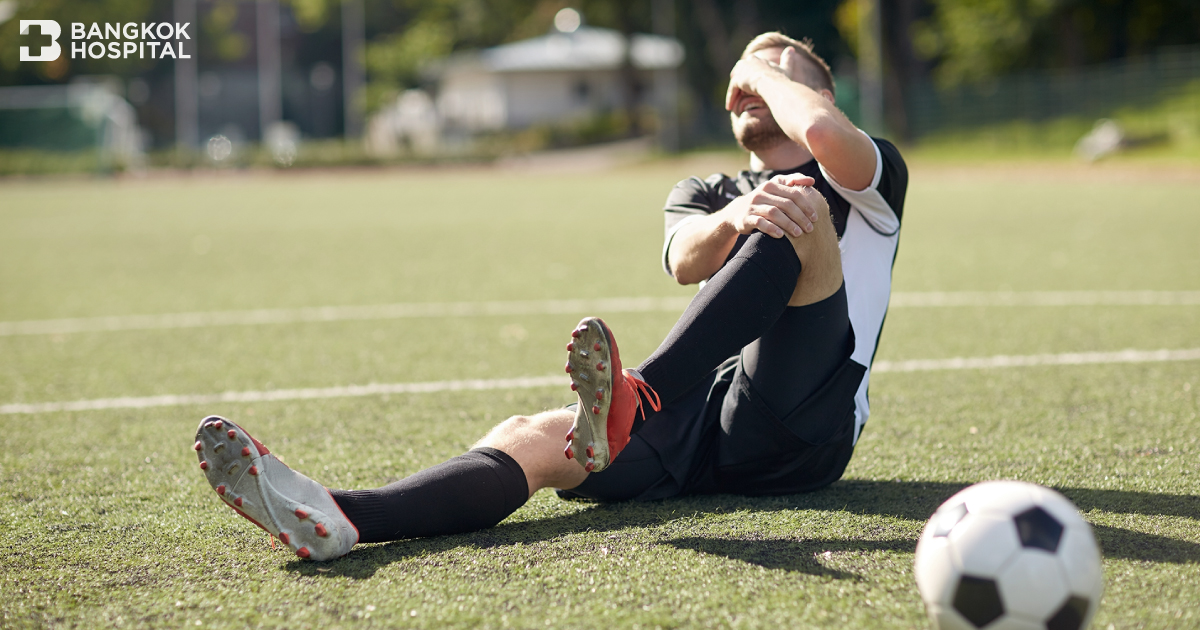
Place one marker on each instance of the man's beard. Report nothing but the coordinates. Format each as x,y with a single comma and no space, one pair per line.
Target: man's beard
759,134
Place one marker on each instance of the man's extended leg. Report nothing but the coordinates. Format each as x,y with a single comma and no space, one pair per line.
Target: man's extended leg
473,491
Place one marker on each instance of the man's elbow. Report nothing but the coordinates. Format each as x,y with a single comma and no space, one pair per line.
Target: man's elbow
823,136
683,274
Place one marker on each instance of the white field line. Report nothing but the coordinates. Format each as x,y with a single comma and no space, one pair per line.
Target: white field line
556,307
374,389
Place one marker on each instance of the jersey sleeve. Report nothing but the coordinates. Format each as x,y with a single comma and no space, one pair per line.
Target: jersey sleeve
881,203
688,201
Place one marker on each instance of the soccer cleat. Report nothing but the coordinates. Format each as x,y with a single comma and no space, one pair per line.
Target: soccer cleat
609,393
288,505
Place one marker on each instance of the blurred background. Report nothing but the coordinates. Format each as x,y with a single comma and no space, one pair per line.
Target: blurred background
291,83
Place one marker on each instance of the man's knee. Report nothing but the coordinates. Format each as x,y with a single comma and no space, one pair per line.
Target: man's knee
525,430
821,263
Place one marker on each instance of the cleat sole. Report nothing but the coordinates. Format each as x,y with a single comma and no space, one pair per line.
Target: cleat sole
271,495
592,382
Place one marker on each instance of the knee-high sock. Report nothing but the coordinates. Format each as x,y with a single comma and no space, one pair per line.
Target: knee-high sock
737,305
470,492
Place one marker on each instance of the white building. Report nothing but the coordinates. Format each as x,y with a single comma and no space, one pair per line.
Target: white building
557,77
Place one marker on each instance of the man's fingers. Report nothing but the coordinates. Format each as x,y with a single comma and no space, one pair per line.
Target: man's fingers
732,94
807,199
787,62
794,179
783,212
764,225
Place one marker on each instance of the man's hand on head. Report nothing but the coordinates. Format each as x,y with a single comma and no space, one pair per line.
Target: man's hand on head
748,72
783,205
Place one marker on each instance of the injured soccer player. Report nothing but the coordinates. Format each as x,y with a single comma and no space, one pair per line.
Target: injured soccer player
760,388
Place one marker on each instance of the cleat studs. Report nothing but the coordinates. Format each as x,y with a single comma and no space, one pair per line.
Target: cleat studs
574,387
203,465
600,366
569,368
575,333
245,451
570,347
253,470
301,514
321,531
217,425
597,346
569,453
198,445
596,409
232,434
302,552
600,394
221,489
284,538
589,467
238,501
590,452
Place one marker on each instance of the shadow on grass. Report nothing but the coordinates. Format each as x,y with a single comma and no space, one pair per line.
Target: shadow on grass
914,501
790,555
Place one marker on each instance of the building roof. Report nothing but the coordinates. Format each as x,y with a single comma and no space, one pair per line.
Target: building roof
587,48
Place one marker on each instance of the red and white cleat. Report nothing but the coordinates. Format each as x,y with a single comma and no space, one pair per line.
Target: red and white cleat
254,483
608,396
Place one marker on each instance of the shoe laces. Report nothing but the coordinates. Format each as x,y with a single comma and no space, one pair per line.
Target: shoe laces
640,388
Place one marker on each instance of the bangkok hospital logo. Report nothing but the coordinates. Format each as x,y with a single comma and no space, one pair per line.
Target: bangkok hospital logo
153,40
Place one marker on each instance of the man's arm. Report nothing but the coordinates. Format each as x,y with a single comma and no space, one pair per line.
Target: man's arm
779,207
807,116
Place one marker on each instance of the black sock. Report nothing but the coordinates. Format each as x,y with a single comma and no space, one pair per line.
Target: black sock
737,305
470,492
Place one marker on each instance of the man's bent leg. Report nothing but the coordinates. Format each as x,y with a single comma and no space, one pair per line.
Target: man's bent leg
742,301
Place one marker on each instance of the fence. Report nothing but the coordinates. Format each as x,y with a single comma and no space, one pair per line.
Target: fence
1091,92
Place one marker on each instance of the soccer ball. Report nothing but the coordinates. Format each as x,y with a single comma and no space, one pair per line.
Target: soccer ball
1008,555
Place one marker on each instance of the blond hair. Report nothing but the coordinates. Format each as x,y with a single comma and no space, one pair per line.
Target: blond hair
819,75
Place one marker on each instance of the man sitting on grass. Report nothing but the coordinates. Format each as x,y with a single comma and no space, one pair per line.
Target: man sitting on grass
760,388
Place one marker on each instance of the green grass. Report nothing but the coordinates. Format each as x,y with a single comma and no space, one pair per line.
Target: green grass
105,521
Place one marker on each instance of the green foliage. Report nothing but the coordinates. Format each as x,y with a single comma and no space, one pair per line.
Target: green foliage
971,40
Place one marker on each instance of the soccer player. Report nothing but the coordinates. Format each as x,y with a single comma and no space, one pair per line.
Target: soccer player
760,388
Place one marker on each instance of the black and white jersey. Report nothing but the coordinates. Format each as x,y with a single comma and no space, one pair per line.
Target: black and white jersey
868,229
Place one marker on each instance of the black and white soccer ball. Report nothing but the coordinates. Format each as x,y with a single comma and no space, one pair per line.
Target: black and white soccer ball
1009,555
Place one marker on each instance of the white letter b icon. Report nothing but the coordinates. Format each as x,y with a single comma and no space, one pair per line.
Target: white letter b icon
47,53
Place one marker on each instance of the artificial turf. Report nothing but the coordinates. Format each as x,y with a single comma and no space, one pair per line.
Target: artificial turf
106,522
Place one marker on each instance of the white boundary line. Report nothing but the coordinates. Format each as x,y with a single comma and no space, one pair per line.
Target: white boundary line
375,389
933,299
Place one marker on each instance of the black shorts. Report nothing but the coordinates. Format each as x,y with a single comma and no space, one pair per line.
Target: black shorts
723,435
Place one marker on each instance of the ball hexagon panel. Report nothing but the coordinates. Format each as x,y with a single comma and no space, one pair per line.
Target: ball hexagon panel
1058,506
983,543
935,570
978,600
1080,560
1033,585
1038,530
1071,616
999,497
